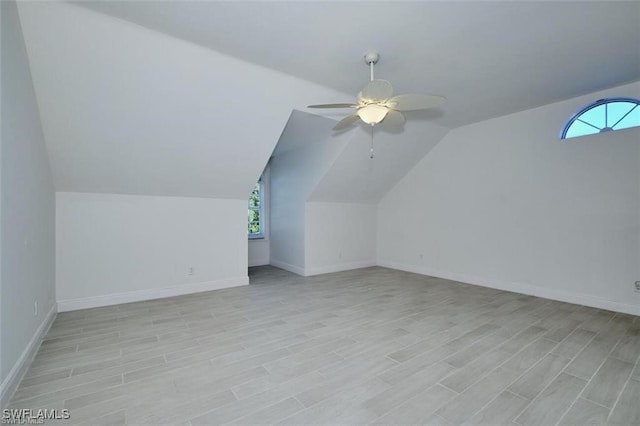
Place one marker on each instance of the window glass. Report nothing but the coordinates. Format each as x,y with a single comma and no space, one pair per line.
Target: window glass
255,220
579,128
631,120
594,116
604,115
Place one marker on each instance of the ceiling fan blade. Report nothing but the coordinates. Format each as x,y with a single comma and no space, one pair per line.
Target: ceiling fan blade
413,102
346,122
394,118
333,106
376,90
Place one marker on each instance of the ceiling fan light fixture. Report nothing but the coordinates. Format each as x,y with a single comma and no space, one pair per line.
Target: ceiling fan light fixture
375,103
373,113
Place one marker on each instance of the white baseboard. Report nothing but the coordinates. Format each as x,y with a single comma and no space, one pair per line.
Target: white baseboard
11,382
150,294
287,267
546,293
338,267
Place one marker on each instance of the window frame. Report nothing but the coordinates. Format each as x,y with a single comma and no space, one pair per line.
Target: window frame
596,104
260,209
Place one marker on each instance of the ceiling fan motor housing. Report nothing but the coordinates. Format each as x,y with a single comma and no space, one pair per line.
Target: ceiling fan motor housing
376,102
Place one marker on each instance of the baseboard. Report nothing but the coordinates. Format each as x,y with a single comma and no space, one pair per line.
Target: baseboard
141,295
546,293
11,382
287,267
338,267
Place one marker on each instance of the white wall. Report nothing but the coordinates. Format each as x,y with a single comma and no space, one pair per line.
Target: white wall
259,248
504,203
339,236
27,213
121,248
258,252
324,190
296,168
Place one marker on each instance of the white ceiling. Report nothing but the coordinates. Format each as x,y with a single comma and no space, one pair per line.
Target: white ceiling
488,58
190,98
127,110
344,157
370,179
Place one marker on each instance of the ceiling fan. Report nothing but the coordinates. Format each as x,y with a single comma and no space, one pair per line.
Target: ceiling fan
376,103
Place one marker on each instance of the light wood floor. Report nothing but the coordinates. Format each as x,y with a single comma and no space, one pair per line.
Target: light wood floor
371,346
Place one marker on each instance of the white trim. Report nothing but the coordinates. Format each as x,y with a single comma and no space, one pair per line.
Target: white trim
532,290
150,294
287,267
13,379
337,267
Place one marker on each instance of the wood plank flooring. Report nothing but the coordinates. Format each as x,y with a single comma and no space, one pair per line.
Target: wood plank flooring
370,346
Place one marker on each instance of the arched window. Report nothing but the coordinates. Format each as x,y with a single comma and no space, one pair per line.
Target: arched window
604,115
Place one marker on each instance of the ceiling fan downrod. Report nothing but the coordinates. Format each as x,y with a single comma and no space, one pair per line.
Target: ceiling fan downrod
371,59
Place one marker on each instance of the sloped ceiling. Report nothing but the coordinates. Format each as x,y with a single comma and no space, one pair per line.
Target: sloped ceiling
355,177
342,168
189,98
132,111
304,130
489,58
305,154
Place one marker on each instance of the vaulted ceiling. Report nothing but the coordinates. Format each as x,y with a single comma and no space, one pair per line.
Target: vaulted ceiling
489,58
132,111
190,98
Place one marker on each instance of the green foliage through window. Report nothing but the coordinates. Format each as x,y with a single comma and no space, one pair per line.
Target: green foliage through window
255,211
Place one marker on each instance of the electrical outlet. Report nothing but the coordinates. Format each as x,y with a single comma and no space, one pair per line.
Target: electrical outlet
637,287
191,272
35,308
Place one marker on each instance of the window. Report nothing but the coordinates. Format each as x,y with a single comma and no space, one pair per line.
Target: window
601,116
256,211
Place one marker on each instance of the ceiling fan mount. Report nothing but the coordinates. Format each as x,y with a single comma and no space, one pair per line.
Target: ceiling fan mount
375,103
371,58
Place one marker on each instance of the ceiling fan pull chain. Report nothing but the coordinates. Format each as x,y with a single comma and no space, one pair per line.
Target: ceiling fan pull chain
371,156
